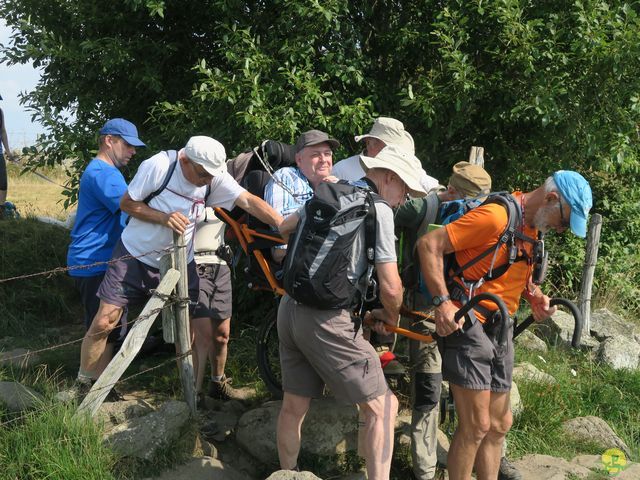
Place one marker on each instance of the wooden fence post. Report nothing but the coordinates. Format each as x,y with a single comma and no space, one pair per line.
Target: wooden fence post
476,156
183,332
168,262
590,260
131,346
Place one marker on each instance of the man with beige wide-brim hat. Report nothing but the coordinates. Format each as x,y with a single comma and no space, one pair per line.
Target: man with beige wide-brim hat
385,131
320,347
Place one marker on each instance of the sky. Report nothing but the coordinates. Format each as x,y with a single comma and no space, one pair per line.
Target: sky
14,80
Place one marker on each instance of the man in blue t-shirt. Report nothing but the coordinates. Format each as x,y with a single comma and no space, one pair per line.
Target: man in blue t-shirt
99,223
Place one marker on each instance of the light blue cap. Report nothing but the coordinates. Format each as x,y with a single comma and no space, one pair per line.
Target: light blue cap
577,193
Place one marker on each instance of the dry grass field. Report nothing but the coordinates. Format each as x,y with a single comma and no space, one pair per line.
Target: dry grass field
34,196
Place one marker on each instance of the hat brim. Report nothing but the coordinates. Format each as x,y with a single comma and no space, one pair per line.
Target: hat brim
410,178
214,171
134,141
578,223
359,138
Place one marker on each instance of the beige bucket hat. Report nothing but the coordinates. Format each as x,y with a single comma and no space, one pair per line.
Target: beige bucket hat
406,165
391,132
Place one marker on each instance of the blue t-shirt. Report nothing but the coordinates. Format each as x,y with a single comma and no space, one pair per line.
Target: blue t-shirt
99,222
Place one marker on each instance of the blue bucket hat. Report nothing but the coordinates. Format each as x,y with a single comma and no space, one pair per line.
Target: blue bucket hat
123,128
577,193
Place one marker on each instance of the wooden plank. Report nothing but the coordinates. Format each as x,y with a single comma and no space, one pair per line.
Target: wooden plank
476,156
131,346
590,260
168,262
183,333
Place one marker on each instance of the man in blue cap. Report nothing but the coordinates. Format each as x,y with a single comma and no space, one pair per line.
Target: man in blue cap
478,363
4,142
99,222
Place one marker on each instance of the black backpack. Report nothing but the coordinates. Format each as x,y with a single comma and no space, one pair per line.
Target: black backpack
319,266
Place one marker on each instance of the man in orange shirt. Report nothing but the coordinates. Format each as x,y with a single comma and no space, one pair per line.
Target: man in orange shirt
479,368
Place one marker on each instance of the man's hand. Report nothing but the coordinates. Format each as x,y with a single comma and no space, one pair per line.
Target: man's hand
331,179
177,222
381,318
540,307
444,319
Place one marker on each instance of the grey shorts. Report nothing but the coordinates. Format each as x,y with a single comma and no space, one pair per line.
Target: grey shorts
475,361
321,347
214,298
128,281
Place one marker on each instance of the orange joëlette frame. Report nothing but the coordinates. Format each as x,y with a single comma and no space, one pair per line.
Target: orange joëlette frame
246,236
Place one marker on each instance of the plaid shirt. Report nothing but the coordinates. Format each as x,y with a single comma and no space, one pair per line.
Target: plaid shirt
279,198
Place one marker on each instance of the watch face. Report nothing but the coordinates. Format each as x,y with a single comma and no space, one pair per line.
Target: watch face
438,300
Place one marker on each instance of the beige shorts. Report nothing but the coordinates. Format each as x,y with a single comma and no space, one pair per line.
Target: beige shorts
321,347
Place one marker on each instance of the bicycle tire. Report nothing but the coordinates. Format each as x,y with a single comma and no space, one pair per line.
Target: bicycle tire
267,354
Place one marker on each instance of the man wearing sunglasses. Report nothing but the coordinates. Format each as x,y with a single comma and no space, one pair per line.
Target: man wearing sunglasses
478,367
197,178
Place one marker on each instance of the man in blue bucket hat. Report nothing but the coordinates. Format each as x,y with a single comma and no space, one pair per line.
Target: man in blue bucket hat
478,363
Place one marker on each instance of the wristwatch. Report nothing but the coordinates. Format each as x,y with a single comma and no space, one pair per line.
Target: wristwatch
438,300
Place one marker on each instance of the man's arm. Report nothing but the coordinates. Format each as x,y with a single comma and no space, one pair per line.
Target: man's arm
176,221
432,248
390,291
5,138
258,208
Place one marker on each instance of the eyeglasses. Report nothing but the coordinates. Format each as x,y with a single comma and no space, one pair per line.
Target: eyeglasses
564,223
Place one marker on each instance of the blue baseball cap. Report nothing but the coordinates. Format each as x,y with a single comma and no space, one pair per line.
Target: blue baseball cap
123,128
577,193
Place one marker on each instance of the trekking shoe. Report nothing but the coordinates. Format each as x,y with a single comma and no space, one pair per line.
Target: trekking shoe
114,396
76,393
223,390
508,470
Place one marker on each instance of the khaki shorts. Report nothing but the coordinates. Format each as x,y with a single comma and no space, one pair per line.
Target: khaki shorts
321,347
214,298
475,361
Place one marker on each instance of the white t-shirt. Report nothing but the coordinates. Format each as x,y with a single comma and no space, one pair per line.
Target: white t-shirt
180,195
350,169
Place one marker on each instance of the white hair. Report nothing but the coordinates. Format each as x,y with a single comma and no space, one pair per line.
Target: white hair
550,185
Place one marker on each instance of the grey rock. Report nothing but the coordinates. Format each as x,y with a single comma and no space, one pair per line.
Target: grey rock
17,398
592,462
289,475
606,324
594,429
112,414
219,425
141,437
530,341
329,428
204,468
516,401
18,358
545,467
527,372
558,330
619,353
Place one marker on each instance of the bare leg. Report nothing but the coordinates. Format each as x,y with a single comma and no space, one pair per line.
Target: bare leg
472,407
490,450
94,342
202,333
288,434
379,421
218,354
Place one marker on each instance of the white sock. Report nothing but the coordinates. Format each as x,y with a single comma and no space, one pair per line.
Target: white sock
217,378
84,378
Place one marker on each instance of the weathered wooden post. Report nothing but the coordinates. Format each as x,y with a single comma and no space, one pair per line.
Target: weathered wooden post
590,260
131,346
476,156
167,262
183,333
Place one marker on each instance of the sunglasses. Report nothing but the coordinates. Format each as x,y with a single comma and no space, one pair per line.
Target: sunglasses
564,223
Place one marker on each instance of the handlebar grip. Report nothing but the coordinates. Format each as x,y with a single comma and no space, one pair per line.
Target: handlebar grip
473,302
575,312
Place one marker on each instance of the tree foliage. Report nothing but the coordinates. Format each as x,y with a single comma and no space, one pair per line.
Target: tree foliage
541,85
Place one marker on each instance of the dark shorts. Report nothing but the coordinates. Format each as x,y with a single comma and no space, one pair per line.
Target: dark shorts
3,173
214,299
475,361
129,281
88,288
321,347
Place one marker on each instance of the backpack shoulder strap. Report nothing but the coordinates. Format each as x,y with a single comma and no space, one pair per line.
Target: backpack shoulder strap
173,159
431,215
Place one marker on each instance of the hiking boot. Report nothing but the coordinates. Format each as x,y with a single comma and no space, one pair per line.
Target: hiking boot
508,470
114,396
223,390
76,393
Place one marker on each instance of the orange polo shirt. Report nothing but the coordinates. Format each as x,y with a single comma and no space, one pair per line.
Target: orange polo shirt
472,234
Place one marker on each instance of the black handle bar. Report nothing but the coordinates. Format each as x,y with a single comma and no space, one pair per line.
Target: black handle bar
577,317
502,308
